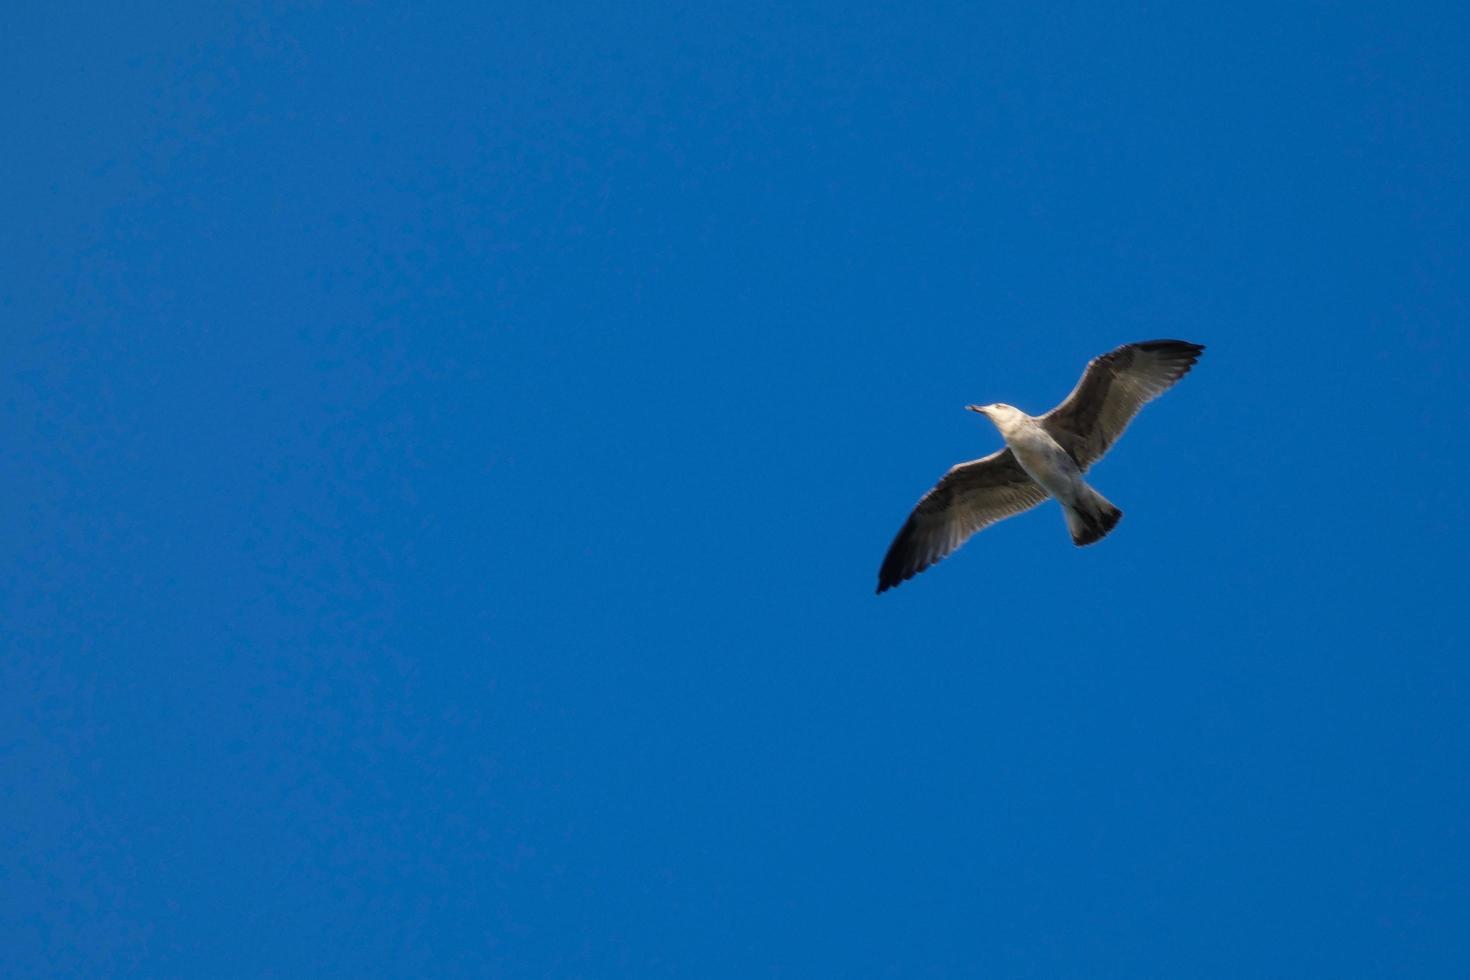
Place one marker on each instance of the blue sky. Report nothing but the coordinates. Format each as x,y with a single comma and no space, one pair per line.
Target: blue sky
448,452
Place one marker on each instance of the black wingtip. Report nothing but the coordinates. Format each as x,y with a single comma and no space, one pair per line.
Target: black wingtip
1181,354
1181,346
893,573
896,568
889,580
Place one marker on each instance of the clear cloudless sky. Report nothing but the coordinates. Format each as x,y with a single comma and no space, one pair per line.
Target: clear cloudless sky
448,449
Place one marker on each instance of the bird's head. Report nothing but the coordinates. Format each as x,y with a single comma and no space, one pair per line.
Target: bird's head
999,413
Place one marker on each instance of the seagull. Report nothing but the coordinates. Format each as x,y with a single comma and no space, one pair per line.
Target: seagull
1045,456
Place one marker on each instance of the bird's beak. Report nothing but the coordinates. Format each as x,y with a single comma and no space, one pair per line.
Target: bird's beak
980,409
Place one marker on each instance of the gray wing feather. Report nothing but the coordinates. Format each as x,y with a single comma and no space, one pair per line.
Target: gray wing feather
1112,390
969,497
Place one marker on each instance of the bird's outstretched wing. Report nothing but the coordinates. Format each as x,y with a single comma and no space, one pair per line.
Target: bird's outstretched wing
969,497
1112,390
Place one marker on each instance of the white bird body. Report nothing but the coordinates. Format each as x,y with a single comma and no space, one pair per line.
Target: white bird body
1041,456
1089,515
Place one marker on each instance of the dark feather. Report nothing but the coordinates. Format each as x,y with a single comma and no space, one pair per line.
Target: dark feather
969,497
1112,390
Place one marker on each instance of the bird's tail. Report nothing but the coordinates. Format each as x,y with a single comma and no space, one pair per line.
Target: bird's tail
1092,517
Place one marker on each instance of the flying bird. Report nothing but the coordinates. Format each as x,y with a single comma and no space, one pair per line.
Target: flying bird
1044,457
